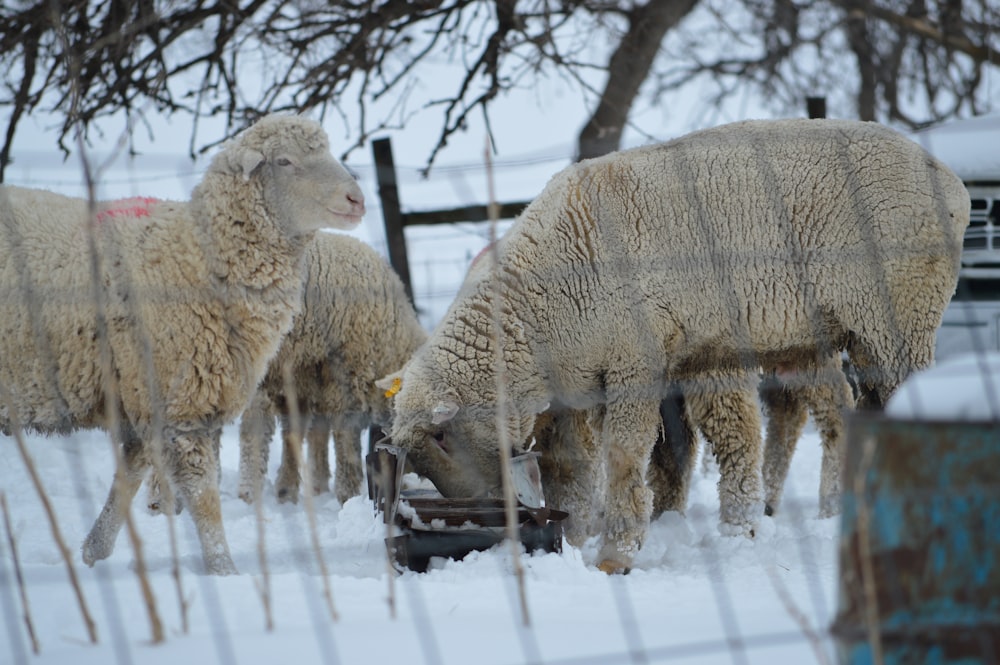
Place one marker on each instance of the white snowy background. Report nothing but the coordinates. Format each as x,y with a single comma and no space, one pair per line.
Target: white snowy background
694,596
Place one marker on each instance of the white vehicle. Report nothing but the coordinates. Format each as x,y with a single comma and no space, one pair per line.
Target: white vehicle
972,149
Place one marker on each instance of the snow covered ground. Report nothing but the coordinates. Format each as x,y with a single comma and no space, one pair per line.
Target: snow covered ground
694,596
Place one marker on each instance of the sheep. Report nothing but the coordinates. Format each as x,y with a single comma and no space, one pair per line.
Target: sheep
356,325
690,263
192,299
786,397
571,464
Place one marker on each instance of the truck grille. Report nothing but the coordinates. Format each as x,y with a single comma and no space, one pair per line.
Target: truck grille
983,232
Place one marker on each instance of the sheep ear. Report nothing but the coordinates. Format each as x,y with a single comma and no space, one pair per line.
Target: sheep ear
444,411
390,384
247,160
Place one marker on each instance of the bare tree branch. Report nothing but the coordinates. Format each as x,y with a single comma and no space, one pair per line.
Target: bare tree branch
627,69
365,59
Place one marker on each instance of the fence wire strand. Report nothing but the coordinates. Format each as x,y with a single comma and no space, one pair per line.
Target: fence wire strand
307,549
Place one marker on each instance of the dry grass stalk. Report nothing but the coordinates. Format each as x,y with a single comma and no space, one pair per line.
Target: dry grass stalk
297,425
113,417
797,615
19,576
510,502
50,514
263,583
388,480
110,387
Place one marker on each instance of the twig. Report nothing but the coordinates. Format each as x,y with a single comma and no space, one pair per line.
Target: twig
263,584
797,615
36,480
387,482
18,575
296,423
503,440
113,417
111,392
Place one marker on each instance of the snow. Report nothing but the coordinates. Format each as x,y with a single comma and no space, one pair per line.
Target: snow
694,594
963,387
965,147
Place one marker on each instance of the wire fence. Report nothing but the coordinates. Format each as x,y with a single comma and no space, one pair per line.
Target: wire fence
316,584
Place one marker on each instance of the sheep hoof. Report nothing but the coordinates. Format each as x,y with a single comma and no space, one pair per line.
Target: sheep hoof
221,565
732,530
286,495
95,550
768,510
613,567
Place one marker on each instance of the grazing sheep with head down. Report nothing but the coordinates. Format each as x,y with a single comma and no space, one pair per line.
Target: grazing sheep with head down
192,300
356,325
690,263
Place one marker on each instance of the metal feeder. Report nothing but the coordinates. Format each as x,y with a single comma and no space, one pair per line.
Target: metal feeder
428,525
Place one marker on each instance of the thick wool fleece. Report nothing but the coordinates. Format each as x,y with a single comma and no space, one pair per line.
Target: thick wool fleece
755,244
356,326
189,300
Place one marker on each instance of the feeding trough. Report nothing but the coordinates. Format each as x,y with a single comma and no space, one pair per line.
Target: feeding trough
424,524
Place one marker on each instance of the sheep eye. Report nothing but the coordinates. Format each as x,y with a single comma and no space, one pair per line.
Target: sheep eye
283,161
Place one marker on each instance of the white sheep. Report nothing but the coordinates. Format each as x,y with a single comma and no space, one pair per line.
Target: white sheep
356,326
689,263
787,396
191,300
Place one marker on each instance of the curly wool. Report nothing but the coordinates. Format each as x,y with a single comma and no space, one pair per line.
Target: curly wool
356,325
191,300
690,263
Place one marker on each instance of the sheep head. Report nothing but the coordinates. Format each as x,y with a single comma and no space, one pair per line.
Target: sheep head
454,442
304,187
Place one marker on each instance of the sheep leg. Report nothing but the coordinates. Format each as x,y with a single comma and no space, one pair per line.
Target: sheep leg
318,451
786,418
673,458
195,467
828,402
729,418
100,542
627,434
347,460
289,475
256,433
572,471
156,497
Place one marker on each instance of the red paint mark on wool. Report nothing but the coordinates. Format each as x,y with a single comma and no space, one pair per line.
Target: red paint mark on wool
135,206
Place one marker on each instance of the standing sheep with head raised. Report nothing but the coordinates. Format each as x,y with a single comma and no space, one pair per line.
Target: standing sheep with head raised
191,301
688,263
356,326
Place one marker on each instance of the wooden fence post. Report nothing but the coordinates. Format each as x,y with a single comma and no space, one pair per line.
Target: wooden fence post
816,107
388,193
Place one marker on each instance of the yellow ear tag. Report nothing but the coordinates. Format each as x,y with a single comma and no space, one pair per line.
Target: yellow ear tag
397,383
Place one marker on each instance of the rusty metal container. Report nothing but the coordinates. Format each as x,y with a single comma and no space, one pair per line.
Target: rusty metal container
919,553
424,524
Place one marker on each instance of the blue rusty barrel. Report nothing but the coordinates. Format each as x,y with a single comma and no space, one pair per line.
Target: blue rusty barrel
919,552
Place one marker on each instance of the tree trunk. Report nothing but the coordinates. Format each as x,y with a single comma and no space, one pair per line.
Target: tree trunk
628,68
859,38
